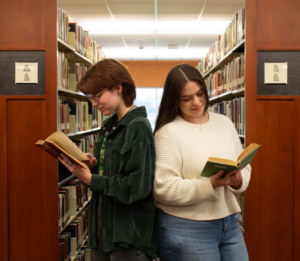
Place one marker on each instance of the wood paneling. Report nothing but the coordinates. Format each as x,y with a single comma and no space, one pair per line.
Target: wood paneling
272,222
152,73
23,23
27,181
274,172
277,22
51,117
251,215
3,183
28,224
297,183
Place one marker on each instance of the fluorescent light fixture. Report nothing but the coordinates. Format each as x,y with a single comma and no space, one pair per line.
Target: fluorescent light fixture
162,27
120,53
190,32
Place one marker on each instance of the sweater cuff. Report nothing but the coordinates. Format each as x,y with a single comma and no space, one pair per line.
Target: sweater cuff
98,183
241,189
207,190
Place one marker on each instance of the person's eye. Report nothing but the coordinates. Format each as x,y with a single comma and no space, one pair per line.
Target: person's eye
186,100
200,93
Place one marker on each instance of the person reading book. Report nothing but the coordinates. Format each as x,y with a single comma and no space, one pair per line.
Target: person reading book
58,143
122,208
197,217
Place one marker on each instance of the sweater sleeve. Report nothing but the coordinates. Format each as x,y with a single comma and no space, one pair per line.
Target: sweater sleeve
246,172
170,188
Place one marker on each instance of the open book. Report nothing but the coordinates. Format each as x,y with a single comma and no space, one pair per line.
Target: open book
58,143
214,165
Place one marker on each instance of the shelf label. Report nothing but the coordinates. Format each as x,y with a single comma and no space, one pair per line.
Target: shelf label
26,72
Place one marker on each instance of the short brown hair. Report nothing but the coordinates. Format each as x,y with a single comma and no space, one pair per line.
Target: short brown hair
108,73
177,78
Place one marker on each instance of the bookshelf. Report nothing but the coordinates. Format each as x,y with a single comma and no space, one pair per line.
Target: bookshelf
83,243
236,51
64,180
83,132
74,216
72,93
228,95
80,122
223,70
267,218
71,54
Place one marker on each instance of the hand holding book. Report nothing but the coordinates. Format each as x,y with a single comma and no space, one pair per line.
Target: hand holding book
214,165
92,162
58,143
232,178
84,174
62,148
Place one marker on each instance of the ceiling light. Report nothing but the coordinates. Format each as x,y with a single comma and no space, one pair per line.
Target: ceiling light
162,27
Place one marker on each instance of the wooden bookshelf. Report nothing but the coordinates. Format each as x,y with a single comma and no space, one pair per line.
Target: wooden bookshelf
267,218
72,94
236,51
74,216
228,96
83,132
62,90
83,243
65,180
71,54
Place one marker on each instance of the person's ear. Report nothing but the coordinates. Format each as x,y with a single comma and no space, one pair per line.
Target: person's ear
119,89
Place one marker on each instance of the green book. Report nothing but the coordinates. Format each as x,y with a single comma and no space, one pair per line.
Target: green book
214,165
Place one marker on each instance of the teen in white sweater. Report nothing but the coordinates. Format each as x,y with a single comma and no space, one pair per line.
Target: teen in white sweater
197,218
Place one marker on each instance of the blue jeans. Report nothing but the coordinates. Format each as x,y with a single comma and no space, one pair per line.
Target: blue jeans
188,240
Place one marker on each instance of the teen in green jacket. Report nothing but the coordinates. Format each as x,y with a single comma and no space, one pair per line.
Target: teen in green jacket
122,209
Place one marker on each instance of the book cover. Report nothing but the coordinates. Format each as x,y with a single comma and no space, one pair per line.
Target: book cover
60,143
214,165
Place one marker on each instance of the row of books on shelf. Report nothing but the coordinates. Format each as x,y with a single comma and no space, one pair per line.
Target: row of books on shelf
241,200
71,198
229,78
75,116
233,36
68,73
234,110
70,249
83,255
62,25
73,206
78,38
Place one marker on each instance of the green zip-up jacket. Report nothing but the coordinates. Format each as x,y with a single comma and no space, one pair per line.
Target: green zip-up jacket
128,208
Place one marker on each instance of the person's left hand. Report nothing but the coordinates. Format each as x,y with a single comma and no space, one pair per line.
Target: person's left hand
81,173
236,179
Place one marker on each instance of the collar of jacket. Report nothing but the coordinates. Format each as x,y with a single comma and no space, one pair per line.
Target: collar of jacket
137,112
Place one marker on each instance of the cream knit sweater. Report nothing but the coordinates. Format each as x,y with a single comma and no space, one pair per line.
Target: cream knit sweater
181,153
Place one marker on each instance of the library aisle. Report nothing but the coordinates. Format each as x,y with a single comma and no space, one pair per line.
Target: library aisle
248,53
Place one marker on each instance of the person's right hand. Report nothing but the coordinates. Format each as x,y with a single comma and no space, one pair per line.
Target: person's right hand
219,181
92,162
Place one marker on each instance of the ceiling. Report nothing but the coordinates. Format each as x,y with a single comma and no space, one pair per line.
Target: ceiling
122,26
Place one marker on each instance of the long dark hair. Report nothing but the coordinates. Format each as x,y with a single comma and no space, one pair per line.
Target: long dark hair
179,76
